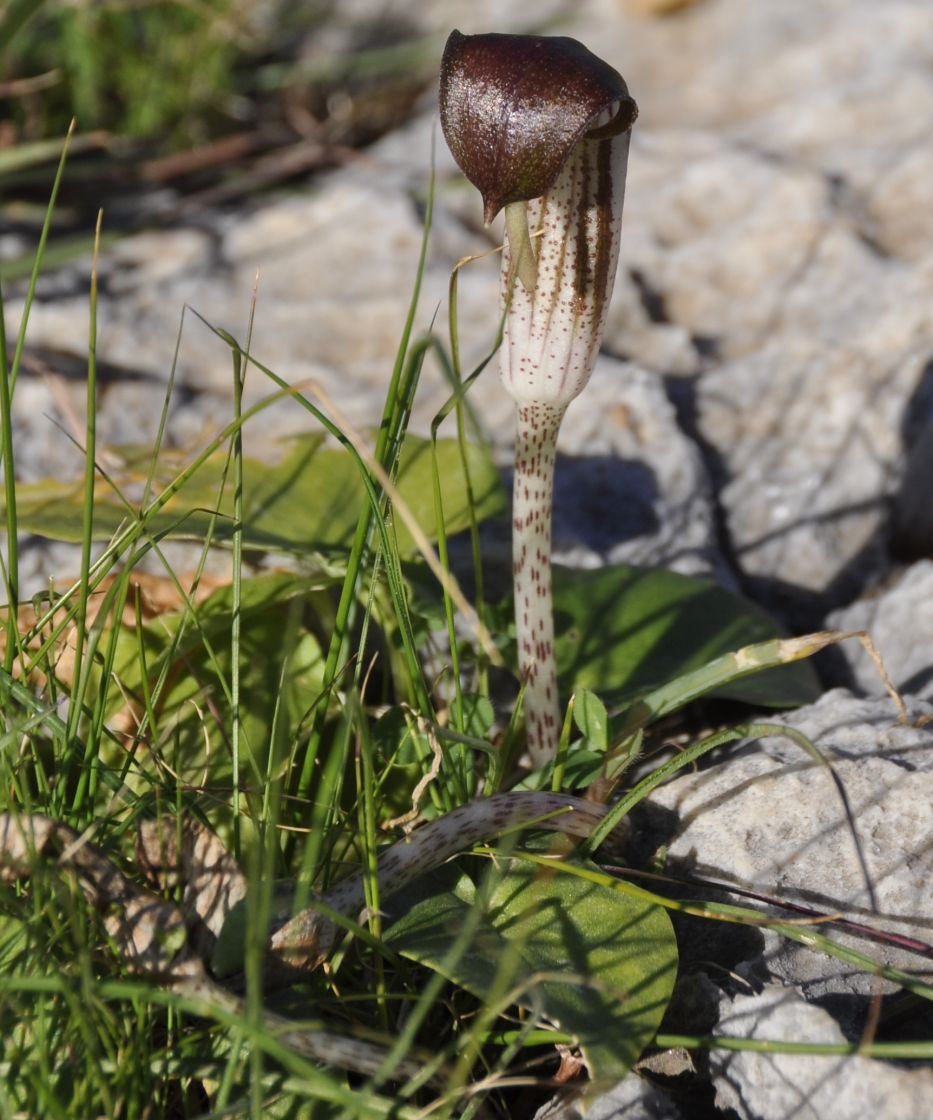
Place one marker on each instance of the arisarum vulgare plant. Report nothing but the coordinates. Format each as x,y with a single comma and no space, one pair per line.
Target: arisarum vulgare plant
541,127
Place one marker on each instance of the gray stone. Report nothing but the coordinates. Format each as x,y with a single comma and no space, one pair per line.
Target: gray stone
898,205
634,1098
778,217
815,346
810,440
770,818
348,22
913,512
739,63
899,620
631,488
775,1086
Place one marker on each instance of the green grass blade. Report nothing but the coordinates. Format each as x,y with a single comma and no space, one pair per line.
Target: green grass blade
11,567
17,14
79,677
37,262
727,669
239,376
889,1051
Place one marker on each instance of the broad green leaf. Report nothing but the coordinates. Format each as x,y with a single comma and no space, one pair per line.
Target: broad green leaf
589,714
193,711
595,962
309,500
623,631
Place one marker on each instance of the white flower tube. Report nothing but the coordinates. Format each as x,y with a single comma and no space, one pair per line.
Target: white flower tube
542,127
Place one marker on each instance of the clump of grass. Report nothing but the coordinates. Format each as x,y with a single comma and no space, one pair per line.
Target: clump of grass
167,75
162,68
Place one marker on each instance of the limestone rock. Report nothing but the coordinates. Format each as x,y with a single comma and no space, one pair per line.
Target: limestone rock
634,1098
774,1086
630,487
899,620
778,216
771,819
913,515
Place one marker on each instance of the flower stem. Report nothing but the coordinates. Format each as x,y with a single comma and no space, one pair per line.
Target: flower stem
535,453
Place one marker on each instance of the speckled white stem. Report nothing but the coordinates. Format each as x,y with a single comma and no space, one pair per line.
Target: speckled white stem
532,496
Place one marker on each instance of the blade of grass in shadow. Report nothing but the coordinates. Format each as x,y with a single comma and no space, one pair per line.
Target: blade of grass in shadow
11,566
17,14
236,450
457,402
8,376
96,710
366,780
892,1051
463,410
442,550
263,868
35,153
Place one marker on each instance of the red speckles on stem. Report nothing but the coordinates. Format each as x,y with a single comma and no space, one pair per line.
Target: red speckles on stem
532,497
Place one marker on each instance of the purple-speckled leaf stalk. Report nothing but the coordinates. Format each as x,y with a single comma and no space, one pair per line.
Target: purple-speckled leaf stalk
541,126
